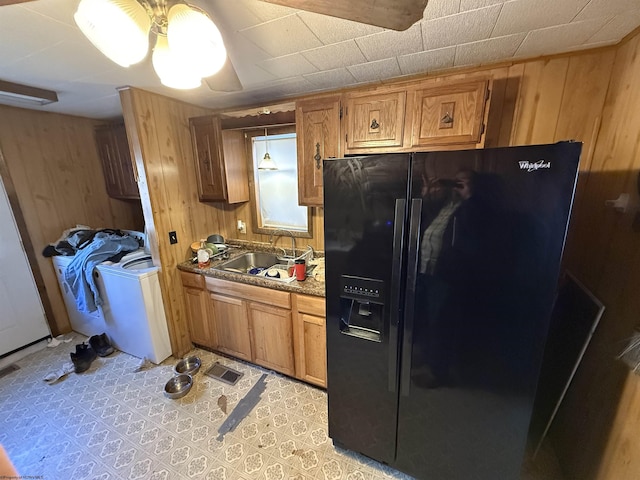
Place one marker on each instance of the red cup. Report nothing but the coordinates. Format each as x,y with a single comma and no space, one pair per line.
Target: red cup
300,269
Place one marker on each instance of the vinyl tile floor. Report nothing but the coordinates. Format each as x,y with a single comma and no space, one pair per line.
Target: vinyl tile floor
111,422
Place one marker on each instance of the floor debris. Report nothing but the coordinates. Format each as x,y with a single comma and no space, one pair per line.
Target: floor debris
244,407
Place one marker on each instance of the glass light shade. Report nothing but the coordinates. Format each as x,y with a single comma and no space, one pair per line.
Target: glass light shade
118,28
267,164
173,70
193,36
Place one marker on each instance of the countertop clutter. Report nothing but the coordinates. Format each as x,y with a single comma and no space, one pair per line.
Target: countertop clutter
313,285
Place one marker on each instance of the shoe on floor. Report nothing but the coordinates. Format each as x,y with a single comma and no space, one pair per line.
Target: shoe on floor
83,357
101,345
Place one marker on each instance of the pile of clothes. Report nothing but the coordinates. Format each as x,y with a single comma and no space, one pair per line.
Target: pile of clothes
89,248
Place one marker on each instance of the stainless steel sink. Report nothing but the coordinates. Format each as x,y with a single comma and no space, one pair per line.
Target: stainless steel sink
244,263
258,263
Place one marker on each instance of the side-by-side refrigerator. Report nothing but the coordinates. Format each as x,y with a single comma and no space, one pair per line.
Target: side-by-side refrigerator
441,271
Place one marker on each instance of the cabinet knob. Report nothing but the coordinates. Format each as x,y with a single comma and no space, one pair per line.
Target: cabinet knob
317,157
447,118
374,124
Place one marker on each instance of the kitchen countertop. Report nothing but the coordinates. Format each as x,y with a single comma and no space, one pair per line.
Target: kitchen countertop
310,286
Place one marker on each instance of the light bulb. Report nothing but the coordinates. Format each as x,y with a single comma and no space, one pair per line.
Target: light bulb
173,70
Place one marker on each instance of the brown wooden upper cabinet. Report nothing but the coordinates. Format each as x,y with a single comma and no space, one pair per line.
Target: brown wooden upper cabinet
448,113
317,138
374,120
221,170
118,169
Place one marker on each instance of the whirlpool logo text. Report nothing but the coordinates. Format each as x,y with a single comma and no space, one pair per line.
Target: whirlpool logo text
533,166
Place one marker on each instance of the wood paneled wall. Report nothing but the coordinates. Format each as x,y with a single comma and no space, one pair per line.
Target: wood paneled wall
597,434
54,166
158,131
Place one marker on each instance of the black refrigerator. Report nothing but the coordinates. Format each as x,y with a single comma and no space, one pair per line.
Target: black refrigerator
441,272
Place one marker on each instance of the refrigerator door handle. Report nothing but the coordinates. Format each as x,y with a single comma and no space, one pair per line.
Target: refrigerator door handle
396,276
410,295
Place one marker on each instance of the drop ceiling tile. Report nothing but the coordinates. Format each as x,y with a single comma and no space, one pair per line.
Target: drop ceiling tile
266,95
338,78
475,4
557,39
333,30
336,55
464,27
441,8
267,11
59,10
618,27
428,61
378,70
42,33
288,66
283,36
604,8
63,62
232,16
390,43
526,15
487,51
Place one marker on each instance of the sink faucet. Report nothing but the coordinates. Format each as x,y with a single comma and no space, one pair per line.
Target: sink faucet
293,240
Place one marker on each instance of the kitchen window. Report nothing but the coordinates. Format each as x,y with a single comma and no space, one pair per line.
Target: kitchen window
275,192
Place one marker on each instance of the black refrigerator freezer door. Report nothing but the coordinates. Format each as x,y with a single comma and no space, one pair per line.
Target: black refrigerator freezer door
485,240
365,210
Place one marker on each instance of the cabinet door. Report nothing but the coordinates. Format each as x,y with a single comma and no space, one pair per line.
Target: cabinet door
310,340
449,114
113,149
128,183
317,137
375,120
201,331
231,325
272,337
110,165
206,137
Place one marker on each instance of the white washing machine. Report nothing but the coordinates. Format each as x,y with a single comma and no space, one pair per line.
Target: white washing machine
85,323
132,307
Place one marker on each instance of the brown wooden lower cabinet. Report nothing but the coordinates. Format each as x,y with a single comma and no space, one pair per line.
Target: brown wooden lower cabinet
272,337
201,329
309,329
229,316
278,330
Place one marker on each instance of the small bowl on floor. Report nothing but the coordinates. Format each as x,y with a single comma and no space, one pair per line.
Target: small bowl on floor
178,386
189,365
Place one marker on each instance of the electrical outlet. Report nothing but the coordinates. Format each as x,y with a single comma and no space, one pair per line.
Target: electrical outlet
242,227
173,238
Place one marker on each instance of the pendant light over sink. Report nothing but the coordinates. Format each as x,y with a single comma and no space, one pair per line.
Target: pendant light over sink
266,163
188,45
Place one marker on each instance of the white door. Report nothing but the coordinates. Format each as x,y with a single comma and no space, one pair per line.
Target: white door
22,319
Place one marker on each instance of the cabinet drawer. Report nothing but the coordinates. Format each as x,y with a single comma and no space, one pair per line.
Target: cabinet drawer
250,292
311,305
192,280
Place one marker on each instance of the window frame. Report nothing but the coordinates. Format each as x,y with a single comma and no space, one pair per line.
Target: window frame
253,194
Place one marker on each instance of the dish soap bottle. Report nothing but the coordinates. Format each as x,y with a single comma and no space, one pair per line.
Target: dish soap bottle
204,257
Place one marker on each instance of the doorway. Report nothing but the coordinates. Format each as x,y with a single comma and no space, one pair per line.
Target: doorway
22,318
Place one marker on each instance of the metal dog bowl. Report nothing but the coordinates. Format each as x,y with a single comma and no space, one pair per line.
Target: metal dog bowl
189,365
178,386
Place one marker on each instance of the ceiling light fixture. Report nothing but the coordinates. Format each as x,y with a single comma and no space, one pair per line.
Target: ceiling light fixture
266,163
188,45
24,94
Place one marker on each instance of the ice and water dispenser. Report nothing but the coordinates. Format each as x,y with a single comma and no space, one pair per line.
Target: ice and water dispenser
362,307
